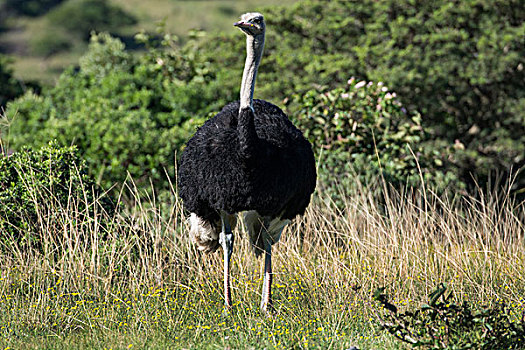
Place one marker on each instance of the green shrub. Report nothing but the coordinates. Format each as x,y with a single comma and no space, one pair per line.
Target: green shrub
126,114
458,63
442,324
84,16
363,134
130,114
36,185
9,86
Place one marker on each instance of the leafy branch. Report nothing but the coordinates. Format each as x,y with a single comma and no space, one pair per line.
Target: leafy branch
443,324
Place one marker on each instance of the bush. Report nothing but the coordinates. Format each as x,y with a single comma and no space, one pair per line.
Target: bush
9,86
442,324
457,63
126,114
131,114
38,184
84,16
363,134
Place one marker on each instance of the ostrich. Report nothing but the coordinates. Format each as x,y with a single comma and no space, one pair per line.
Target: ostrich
250,159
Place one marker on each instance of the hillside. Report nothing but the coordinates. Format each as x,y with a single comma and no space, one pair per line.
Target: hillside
42,46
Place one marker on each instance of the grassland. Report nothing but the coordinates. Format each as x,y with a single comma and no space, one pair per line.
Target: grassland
180,17
134,280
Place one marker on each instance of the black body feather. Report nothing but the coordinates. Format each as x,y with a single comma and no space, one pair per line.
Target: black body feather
241,161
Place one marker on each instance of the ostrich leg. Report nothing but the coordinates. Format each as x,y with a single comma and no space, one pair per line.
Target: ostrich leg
226,241
266,302
271,232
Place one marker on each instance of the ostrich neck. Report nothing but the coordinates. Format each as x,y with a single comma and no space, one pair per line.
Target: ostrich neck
254,50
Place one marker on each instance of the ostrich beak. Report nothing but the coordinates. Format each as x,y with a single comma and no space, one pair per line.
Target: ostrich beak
242,24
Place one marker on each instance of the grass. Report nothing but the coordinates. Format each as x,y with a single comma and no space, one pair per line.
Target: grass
182,16
135,280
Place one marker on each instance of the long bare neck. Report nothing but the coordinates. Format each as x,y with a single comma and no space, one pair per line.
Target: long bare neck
254,50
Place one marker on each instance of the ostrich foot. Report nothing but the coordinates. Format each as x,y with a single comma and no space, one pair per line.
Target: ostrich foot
268,310
226,311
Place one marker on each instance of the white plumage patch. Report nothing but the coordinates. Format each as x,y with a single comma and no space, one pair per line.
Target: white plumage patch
206,235
203,234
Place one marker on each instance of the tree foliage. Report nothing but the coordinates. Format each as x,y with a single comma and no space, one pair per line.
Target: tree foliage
9,86
125,114
363,135
460,64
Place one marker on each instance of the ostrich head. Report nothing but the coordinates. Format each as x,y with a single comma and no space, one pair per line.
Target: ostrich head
252,24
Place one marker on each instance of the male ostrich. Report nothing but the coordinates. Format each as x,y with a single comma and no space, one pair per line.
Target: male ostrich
248,158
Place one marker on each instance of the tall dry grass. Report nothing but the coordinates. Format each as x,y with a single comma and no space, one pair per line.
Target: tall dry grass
137,270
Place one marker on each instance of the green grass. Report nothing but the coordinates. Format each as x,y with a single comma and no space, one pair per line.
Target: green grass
182,16
144,284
